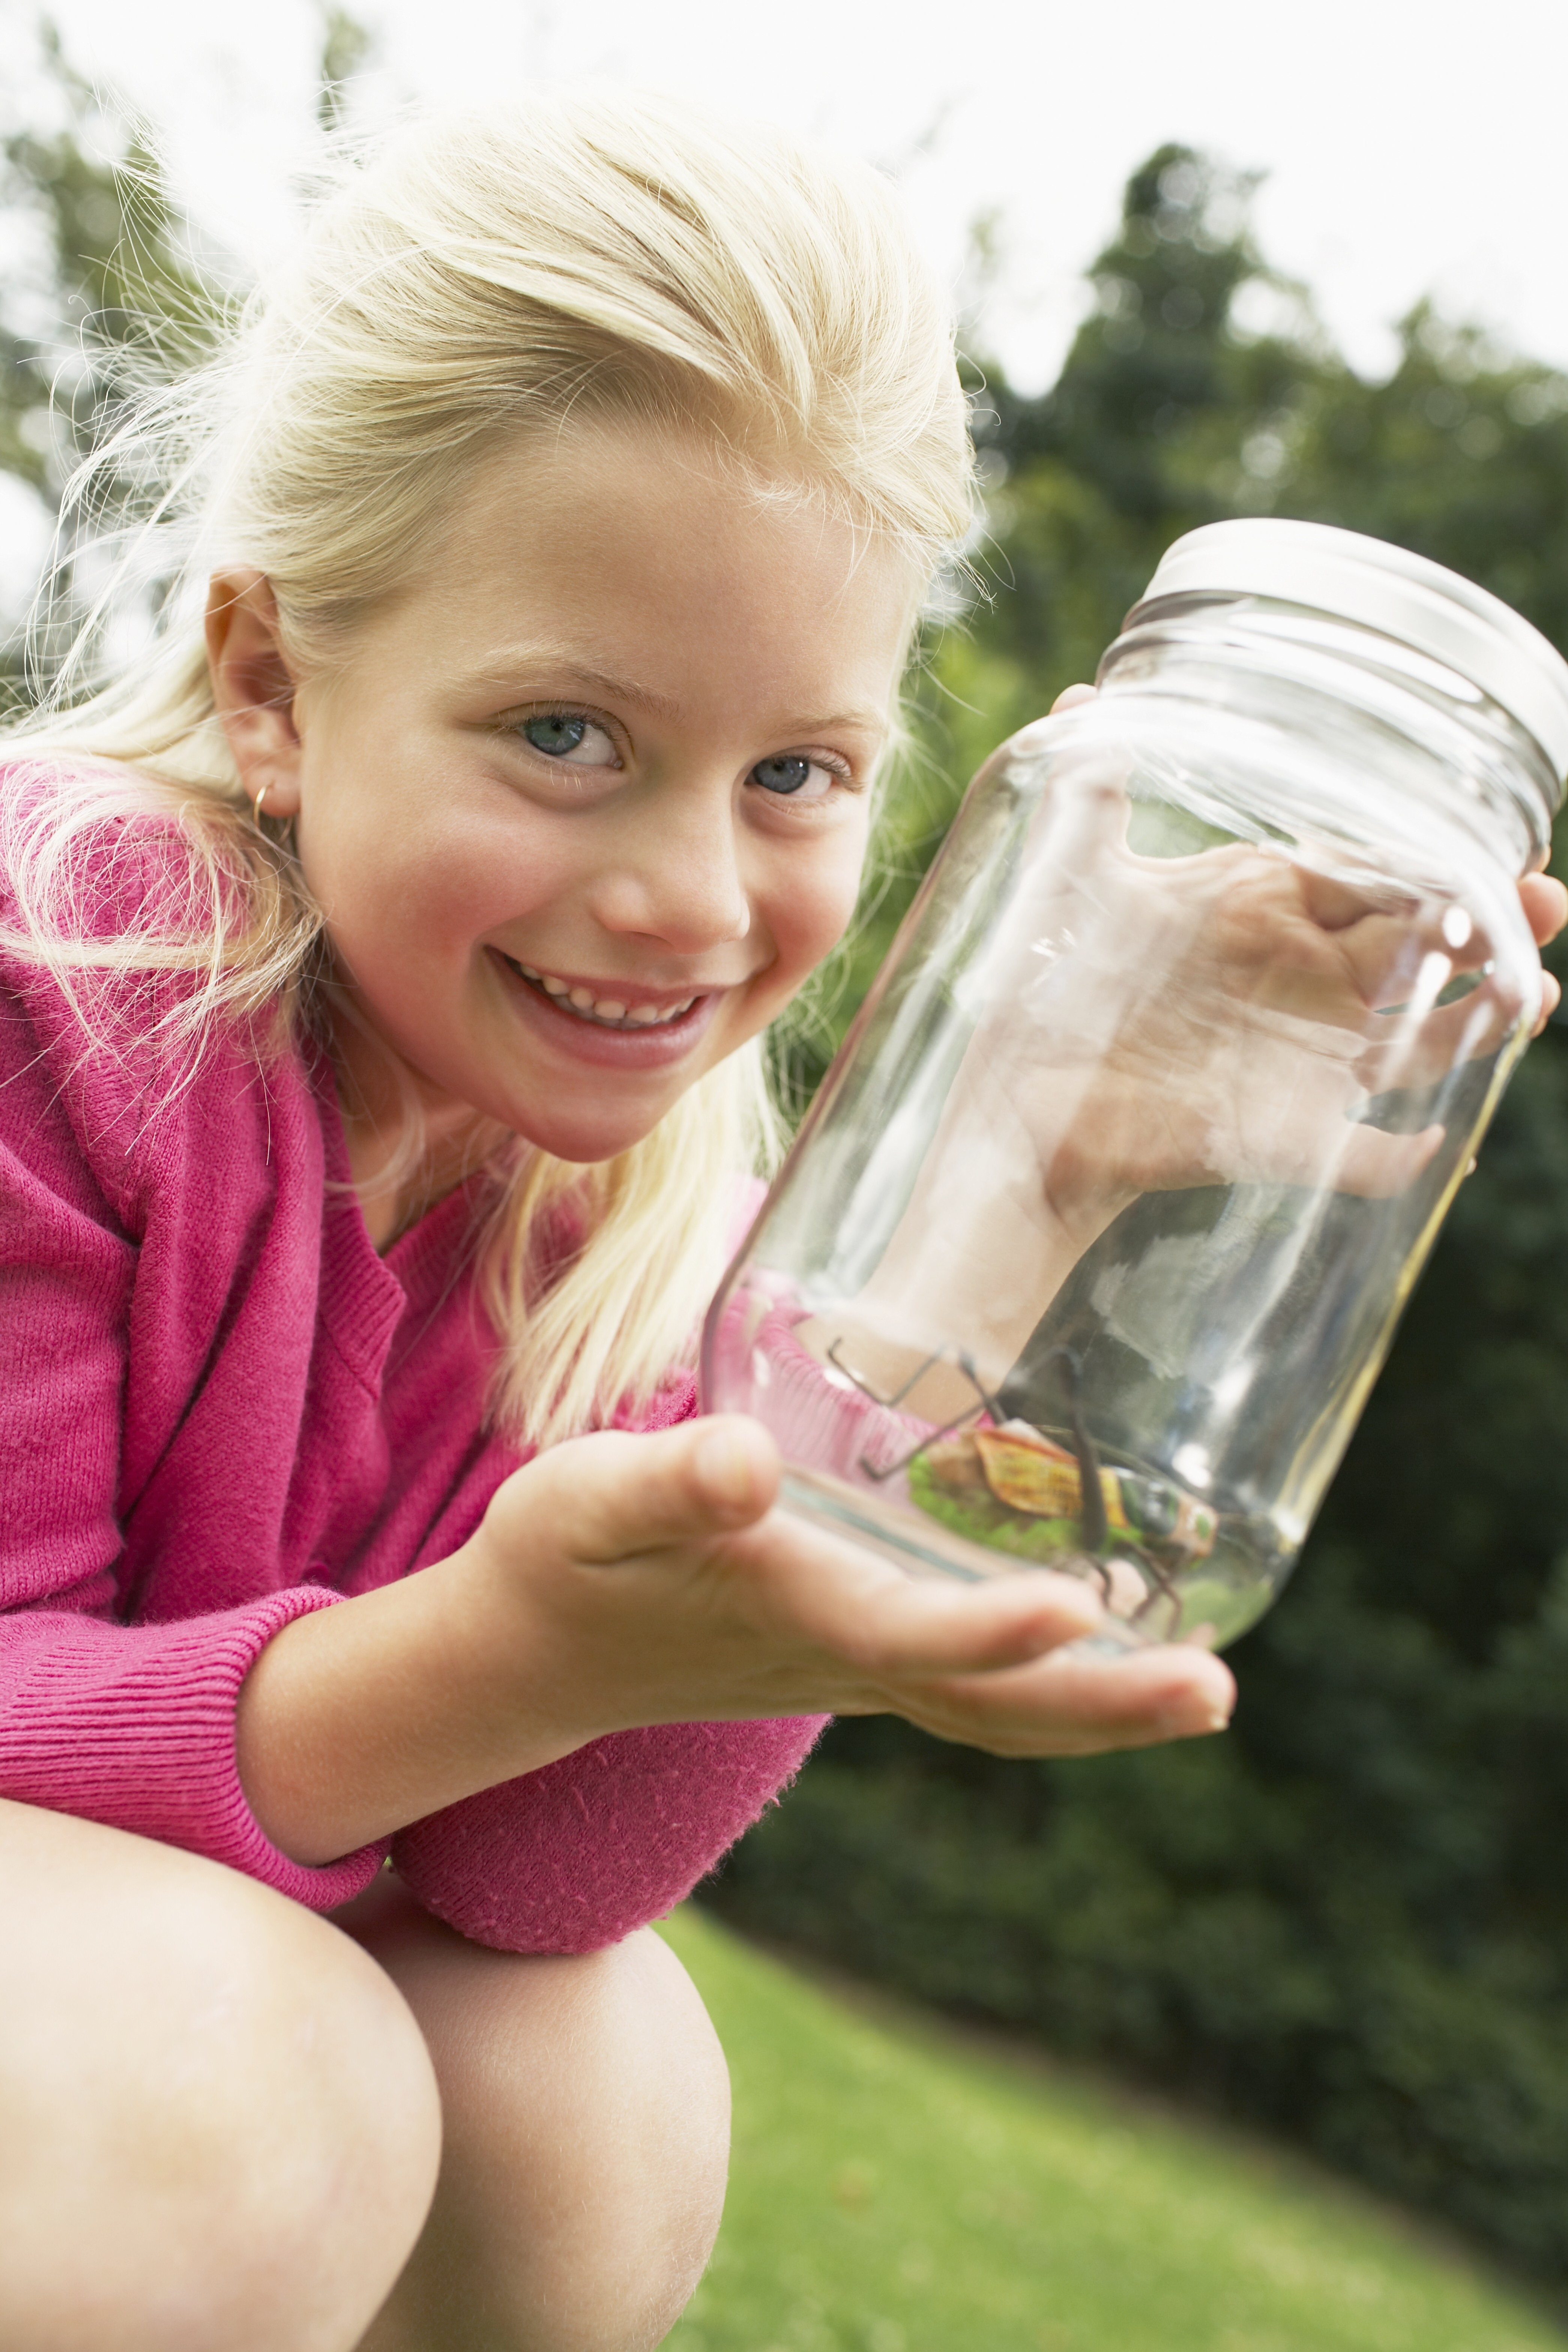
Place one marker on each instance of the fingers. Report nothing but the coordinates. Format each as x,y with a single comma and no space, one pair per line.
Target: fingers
624,1496
1383,949
1383,943
1471,1026
1312,1142
1335,906
1003,1665
1385,956
889,1626
1545,904
1078,1702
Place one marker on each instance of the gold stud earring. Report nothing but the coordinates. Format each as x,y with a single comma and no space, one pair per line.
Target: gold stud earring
260,796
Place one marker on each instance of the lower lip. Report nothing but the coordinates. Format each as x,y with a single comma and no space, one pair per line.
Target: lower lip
654,1047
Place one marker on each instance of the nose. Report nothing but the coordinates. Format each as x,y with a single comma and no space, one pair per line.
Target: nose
675,877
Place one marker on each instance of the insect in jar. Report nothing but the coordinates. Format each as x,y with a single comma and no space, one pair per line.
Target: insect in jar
1014,1485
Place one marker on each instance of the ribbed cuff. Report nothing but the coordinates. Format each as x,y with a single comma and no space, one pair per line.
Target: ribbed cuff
134,1727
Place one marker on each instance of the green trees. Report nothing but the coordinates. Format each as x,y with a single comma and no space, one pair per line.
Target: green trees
1349,1919
108,291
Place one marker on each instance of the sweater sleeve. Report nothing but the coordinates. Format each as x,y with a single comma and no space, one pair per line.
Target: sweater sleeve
575,1856
130,1725
133,1726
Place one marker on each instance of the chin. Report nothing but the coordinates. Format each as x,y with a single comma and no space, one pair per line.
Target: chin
584,1143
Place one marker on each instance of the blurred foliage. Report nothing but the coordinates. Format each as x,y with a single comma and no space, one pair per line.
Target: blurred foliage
1202,385
108,293
1350,1918
346,48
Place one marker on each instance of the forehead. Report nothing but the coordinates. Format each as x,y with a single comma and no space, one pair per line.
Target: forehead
654,556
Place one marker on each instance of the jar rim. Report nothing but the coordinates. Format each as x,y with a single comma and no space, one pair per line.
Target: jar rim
1352,577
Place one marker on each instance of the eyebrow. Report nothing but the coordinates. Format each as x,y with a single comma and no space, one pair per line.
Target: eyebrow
503,669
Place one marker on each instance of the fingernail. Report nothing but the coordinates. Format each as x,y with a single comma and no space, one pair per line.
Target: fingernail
725,1467
1193,1719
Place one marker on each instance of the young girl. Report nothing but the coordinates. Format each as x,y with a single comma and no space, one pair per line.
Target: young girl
385,972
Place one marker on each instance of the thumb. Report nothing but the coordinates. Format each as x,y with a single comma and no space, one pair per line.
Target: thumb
635,1494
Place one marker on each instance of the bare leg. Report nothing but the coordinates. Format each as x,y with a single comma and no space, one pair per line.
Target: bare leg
586,2137
218,2121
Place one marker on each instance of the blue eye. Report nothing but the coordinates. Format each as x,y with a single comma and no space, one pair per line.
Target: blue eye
569,735
555,735
788,773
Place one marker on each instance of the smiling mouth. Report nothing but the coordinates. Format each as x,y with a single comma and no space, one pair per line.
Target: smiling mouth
598,1012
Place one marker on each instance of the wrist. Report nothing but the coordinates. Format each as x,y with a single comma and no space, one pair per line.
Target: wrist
358,1719
514,1656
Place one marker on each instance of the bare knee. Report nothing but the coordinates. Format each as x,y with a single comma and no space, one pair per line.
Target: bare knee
587,2124
665,2141
212,2091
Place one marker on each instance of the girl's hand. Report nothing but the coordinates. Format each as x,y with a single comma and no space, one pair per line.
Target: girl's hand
622,1580
1543,898
1154,1024
645,1580
1544,903
1263,1003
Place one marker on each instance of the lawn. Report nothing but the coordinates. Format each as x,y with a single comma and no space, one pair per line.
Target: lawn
897,2187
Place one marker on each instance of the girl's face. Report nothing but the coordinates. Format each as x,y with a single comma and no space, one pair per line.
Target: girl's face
588,800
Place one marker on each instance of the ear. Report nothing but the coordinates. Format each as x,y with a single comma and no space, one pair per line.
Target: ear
253,687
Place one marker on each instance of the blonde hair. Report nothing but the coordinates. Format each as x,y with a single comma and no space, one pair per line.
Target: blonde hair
625,258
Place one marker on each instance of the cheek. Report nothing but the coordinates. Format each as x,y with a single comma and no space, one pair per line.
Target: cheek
427,890
829,908
810,908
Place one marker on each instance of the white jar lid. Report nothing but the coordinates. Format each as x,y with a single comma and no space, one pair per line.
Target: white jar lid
1354,578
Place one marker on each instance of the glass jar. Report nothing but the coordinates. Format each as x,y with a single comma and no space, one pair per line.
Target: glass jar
1100,1227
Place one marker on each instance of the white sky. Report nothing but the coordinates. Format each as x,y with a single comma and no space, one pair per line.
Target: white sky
1411,146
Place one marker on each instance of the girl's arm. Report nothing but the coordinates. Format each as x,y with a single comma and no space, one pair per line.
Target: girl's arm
126,1723
628,1580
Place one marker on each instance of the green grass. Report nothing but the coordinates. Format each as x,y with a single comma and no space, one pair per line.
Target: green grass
897,2189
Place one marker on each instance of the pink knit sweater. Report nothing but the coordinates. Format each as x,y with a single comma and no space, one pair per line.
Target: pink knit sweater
219,1408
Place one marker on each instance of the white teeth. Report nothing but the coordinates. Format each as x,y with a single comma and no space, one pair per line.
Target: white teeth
612,1009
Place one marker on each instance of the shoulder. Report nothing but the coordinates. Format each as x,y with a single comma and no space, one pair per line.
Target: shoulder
92,851
114,903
